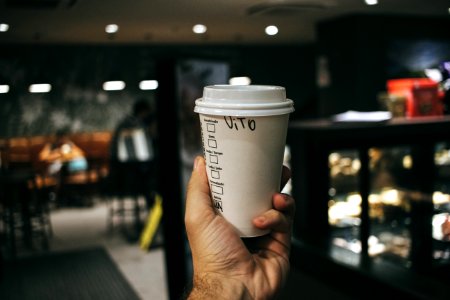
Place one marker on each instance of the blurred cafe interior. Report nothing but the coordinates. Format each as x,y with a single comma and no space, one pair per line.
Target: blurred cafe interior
368,143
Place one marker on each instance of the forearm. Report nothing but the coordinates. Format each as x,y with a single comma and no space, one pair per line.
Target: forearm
213,287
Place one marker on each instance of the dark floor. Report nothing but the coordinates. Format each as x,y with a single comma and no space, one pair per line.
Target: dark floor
306,287
81,274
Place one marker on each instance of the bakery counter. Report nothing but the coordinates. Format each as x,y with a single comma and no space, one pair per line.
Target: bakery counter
373,196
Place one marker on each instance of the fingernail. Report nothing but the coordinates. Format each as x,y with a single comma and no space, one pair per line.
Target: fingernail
261,219
197,162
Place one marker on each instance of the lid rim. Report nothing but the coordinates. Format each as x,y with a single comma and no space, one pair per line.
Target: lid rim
245,100
244,113
286,103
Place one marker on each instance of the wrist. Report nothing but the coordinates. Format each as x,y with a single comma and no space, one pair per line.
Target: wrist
212,286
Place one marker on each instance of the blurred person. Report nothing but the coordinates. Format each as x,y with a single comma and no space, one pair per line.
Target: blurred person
133,153
226,266
63,160
63,156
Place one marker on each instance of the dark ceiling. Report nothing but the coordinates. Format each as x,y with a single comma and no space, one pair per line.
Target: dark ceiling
171,21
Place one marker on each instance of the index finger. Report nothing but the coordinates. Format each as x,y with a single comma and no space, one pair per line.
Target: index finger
198,201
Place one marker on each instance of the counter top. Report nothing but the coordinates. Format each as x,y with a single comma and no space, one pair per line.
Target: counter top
389,132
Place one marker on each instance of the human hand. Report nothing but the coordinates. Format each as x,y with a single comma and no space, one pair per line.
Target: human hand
226,266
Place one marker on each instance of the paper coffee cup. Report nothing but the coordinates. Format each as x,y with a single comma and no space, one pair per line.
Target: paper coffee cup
244,134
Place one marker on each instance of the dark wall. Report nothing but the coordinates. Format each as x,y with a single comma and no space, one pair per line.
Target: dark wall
363,52
77,73
77,100
291,67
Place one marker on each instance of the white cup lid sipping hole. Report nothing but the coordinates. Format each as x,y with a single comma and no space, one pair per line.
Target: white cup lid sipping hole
245,100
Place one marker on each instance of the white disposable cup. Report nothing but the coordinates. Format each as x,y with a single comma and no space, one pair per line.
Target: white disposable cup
244,134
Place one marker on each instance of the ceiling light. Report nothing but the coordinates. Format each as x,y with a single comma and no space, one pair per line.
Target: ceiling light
240,81
148,85
199,29
371,2
4,27
40,88
113,85
271,30
111,28
4,88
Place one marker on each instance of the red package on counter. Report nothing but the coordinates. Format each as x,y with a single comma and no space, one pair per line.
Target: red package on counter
422,96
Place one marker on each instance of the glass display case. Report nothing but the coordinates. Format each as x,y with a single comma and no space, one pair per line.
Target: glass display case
375,196
389,203
441,201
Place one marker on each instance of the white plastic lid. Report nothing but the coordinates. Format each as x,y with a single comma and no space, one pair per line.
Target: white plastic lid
244,100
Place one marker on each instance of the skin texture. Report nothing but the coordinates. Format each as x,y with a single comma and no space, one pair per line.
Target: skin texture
226,266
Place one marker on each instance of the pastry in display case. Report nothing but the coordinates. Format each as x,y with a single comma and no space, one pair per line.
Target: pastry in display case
389,203
344,205
377,195
441,202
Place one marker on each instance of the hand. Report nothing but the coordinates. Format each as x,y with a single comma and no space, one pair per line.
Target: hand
226,267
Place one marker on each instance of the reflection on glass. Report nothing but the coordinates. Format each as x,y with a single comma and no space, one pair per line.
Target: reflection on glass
390,200
344,206
441,202
388,207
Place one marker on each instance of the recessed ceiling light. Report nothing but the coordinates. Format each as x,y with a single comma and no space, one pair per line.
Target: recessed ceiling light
111,28
113,85
4,88
371,2
199,29
40,88
148,84
4,27
271,30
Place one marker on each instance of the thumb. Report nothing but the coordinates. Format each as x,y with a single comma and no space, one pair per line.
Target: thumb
198,199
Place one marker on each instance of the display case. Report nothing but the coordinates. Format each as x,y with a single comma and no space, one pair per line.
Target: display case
374,197
390,200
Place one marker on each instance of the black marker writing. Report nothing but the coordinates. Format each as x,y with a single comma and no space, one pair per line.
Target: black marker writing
240,123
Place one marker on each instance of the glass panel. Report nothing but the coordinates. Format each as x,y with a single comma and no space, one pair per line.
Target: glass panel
441,201
388,205
391,194
344,206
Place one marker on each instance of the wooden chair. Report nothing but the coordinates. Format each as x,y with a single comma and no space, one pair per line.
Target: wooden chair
18,154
